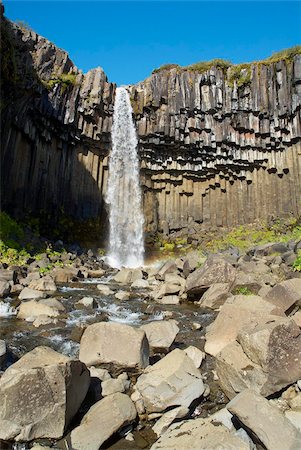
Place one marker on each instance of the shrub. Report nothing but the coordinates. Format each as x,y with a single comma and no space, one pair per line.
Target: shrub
166,67
297,262
242,290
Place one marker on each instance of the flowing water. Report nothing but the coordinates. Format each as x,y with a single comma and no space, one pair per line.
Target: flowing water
126,245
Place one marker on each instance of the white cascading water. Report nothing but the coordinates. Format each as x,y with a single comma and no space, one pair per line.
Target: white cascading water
126,243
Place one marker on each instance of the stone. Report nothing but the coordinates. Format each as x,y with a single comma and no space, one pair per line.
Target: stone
276,347
28,294
8,275
191,262
199,434
96,273
112,413
2,353
4,288
270,426
243,311
111,386
169,300
43,284
86,302
161,333
295,418
165,289
195,354
140,284
215,296
215,270
104,289
172,381
41,393
122,296
114,343
53,303
285,294
31,309
128,276
161,426
101,374
43,320
64,275
297,318
168,267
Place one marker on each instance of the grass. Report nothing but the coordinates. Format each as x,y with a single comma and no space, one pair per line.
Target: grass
241,73
242,290
297,262
65,80
245,237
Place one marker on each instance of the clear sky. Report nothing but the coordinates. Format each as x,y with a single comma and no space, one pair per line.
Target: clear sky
128,39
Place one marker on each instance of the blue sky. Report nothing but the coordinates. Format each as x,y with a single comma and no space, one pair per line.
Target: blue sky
130,39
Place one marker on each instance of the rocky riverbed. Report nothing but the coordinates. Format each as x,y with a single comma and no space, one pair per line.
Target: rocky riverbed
187,352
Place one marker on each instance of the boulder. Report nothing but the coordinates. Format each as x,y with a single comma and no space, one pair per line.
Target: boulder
96,273
172,381
165,289
161,426
195,354
114,343
169,300
8,275
168,267
64,275
86,302
128,276
104,419
53,303
191,262
29,294
199,434
286,294
297,318
44,320
40,394
215,270
122,295
2,353
266,421
140,284
243,311
4,288
101,374
295,418
215,296
111,386
104,289
161,333
266,358
31,309
43,284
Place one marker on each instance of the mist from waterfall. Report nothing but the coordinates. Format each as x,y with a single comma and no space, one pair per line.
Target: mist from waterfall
126,243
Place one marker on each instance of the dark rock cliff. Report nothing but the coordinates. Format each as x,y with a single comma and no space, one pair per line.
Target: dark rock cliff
216,149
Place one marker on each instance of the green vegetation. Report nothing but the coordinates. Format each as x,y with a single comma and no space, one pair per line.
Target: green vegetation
241,73
242,290
203,66
23,25
297,263
166,67
283,55
11,233
247,236
65,80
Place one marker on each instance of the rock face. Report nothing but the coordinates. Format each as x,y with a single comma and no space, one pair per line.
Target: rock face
114,343
211,142
173,381
40,394
103,420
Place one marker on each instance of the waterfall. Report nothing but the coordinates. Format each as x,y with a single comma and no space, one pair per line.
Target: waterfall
126,244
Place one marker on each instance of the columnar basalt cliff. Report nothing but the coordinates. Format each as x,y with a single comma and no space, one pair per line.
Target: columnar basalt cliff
217,148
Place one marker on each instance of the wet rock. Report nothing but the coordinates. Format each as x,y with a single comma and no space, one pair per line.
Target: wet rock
28,294
195,354
104,289
41,392
112,413
271,427
96,273
215,270
43,320
169,300
4,288
43,284
199,434
31,309
122,295
114,343
140,284
172,381
215,296
162,425
2,353
53,303
161,334
285,294
86,302
244,310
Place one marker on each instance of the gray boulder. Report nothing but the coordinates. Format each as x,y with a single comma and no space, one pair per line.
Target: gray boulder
161,333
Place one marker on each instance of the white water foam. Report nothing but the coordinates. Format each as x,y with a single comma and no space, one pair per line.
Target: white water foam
126,244
6,310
